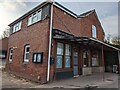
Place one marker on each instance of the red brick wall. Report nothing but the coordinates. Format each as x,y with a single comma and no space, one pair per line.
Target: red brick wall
36,36
4,44
86,26
65,22
78,27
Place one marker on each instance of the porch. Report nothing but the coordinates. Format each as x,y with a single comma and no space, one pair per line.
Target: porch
81,55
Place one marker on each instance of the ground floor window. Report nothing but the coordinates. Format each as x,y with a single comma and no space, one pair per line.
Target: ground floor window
26,53
67,55
59,55
94,58
10,55
63,56
86,58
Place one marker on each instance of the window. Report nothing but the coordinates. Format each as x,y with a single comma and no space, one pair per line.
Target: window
86,58
35,17
67,55
10,55
94,32
59,55
95,58
16,27
26,53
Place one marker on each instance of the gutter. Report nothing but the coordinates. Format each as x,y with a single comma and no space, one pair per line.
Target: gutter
50,42
105,44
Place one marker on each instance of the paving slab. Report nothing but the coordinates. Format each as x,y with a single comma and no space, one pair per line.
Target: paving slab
94,80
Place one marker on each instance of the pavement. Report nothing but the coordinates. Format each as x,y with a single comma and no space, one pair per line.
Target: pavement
94,80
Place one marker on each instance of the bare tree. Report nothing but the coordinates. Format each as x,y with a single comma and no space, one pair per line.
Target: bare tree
108,38
116,40
6,33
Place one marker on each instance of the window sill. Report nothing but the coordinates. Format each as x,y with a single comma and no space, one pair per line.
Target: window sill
63,69
94,37
25,63
34,23
15,32
95,66
10,62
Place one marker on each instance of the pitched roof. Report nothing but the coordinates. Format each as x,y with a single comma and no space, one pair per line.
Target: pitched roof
40,6
86,13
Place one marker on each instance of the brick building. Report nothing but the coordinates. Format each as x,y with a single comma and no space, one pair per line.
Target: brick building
3,50
51,42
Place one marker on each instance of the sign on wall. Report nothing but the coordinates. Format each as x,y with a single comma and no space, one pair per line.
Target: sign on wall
38,57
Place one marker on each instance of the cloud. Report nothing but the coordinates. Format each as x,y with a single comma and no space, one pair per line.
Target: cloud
110,25
12,9
11,5
65,0
107,9
107,13
9,10
85,0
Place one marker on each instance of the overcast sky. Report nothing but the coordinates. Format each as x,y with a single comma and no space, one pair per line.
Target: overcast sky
107,11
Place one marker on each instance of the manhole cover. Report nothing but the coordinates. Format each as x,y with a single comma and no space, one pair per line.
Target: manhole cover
91,86
109,80
60,87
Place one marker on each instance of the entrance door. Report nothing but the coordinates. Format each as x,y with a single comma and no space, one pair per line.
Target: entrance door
75,62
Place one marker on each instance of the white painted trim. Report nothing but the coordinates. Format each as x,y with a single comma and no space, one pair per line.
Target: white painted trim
11,49
50,42
64,10
105,44
26,60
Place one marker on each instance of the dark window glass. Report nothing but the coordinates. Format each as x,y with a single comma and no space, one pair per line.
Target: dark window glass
27,49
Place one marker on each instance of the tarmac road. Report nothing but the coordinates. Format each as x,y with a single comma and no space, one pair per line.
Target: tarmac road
111,81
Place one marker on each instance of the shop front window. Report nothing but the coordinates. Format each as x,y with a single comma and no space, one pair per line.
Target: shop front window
94,58
67,55
63,59
59,55
86,58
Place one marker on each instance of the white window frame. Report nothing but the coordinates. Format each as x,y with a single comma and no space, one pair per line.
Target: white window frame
60,48
94,31
25,52
10,54
17,27
67,46
36,14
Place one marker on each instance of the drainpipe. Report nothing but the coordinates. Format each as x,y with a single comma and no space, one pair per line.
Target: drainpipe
50,42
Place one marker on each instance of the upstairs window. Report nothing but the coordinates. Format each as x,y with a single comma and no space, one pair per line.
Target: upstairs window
10,55
94,32
17,27
35,17
26,53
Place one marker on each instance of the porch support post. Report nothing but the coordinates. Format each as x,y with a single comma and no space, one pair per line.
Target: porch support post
102,56
103,61
119,61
